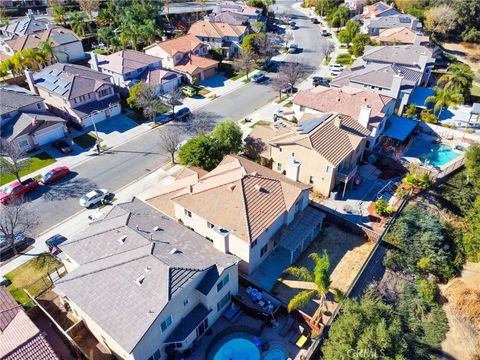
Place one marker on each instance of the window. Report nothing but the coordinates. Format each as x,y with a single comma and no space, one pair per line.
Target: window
312,180
279,167
328,169
166,323
253,244
223,282
263,250
210,225
187,212
223,302
186,301
104,92
39,106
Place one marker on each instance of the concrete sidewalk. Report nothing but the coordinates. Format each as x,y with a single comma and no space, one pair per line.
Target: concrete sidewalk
142,188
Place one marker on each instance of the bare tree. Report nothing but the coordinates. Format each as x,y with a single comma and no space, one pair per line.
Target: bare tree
244,62
89,6
328,48
169,138
292,72
148,100
16,218
173,98
16,159
266,47
279,83
288,38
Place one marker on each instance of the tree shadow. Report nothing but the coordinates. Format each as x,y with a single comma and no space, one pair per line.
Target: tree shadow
73,188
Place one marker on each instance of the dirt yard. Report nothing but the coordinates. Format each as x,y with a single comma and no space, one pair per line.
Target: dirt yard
347,252
463,339
467,53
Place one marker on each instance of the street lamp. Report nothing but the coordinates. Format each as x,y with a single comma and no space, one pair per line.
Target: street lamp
97,138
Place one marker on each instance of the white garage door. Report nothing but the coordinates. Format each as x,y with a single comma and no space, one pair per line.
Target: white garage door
98,117
115,110
49,136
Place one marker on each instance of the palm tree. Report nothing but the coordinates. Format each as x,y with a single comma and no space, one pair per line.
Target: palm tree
46,47
60,15
104,17
78,22
149,32
444,98
458,78
319,284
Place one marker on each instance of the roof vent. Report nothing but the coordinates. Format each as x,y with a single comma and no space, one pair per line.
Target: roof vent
190,189
231,187
139,280
122,239
152,248
258,187
254,173
338,99
148,268
156,228
173,251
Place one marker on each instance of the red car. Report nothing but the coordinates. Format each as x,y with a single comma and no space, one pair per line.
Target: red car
54,174
17,189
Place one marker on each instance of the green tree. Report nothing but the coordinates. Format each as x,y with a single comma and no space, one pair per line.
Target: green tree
366,329
339,16
358,44
444,98
459,78
60,15
467,14
78,22
249,43
471,237
135,91
319,280
410,111
472,165
427,289
228,136
351,29
201,151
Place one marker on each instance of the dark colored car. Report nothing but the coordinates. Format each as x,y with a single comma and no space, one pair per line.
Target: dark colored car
54,174
62,146
20,242
318,80
315,21
55,240
183,114
289,89
17,189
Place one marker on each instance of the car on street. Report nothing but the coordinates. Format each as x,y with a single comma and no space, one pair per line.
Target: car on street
54,175
336,66
259,77
20,241
54,241
292,48
62,146
289,89
183,114
94,197
325,32
292,23
17,189
315,20
188,91
293,27
335,72
319,80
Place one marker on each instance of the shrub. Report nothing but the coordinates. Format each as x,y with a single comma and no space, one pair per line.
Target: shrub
381,207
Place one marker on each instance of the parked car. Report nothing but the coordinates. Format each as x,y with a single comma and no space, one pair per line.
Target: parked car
62,146
293,27
292,23
325,32
17,189
94,197
292,48
335,72
258,77
20,240
289,89
188,91
55,240
319,80
315,20
183,114
54,175
336,66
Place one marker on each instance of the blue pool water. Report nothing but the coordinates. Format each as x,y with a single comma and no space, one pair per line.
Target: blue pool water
433,154
275,354
237,348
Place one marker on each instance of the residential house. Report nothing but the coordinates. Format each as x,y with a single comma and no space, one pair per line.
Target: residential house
126,67
76,93
222,36
67,46
369,109
25,121
379,9
186,55
243,208
23,3
391,80
375,25
237,12
322,150
142,282
355,6
401,35
164,80
415,57
20,338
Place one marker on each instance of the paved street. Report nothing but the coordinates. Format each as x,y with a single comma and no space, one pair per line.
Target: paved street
136,158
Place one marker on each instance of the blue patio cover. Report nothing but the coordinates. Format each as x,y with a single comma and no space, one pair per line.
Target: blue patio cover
398,127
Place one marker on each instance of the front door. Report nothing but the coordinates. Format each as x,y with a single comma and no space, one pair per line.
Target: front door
202,328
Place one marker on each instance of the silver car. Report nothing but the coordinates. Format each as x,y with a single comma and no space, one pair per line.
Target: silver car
94,197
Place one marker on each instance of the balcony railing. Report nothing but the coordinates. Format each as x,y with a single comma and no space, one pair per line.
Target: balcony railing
346,175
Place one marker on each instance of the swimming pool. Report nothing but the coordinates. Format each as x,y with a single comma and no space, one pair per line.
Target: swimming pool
432,154
275,354
237,346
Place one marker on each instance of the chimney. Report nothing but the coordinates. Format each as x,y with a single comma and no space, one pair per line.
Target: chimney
94,63
423,60
30,14
34,121
418,39
414,23
337,121
364,116
30,81
396,84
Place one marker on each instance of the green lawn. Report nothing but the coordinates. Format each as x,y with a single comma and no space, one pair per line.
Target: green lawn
29,276
475,93
86,141
288,104
203,91
344,59
261,123
35,163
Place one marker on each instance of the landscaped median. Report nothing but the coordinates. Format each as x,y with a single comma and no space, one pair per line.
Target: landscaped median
36,162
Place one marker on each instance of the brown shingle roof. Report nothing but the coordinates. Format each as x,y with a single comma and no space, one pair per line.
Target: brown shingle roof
403,34
181,44
56,36
124,61
194,64
239,195
216,30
